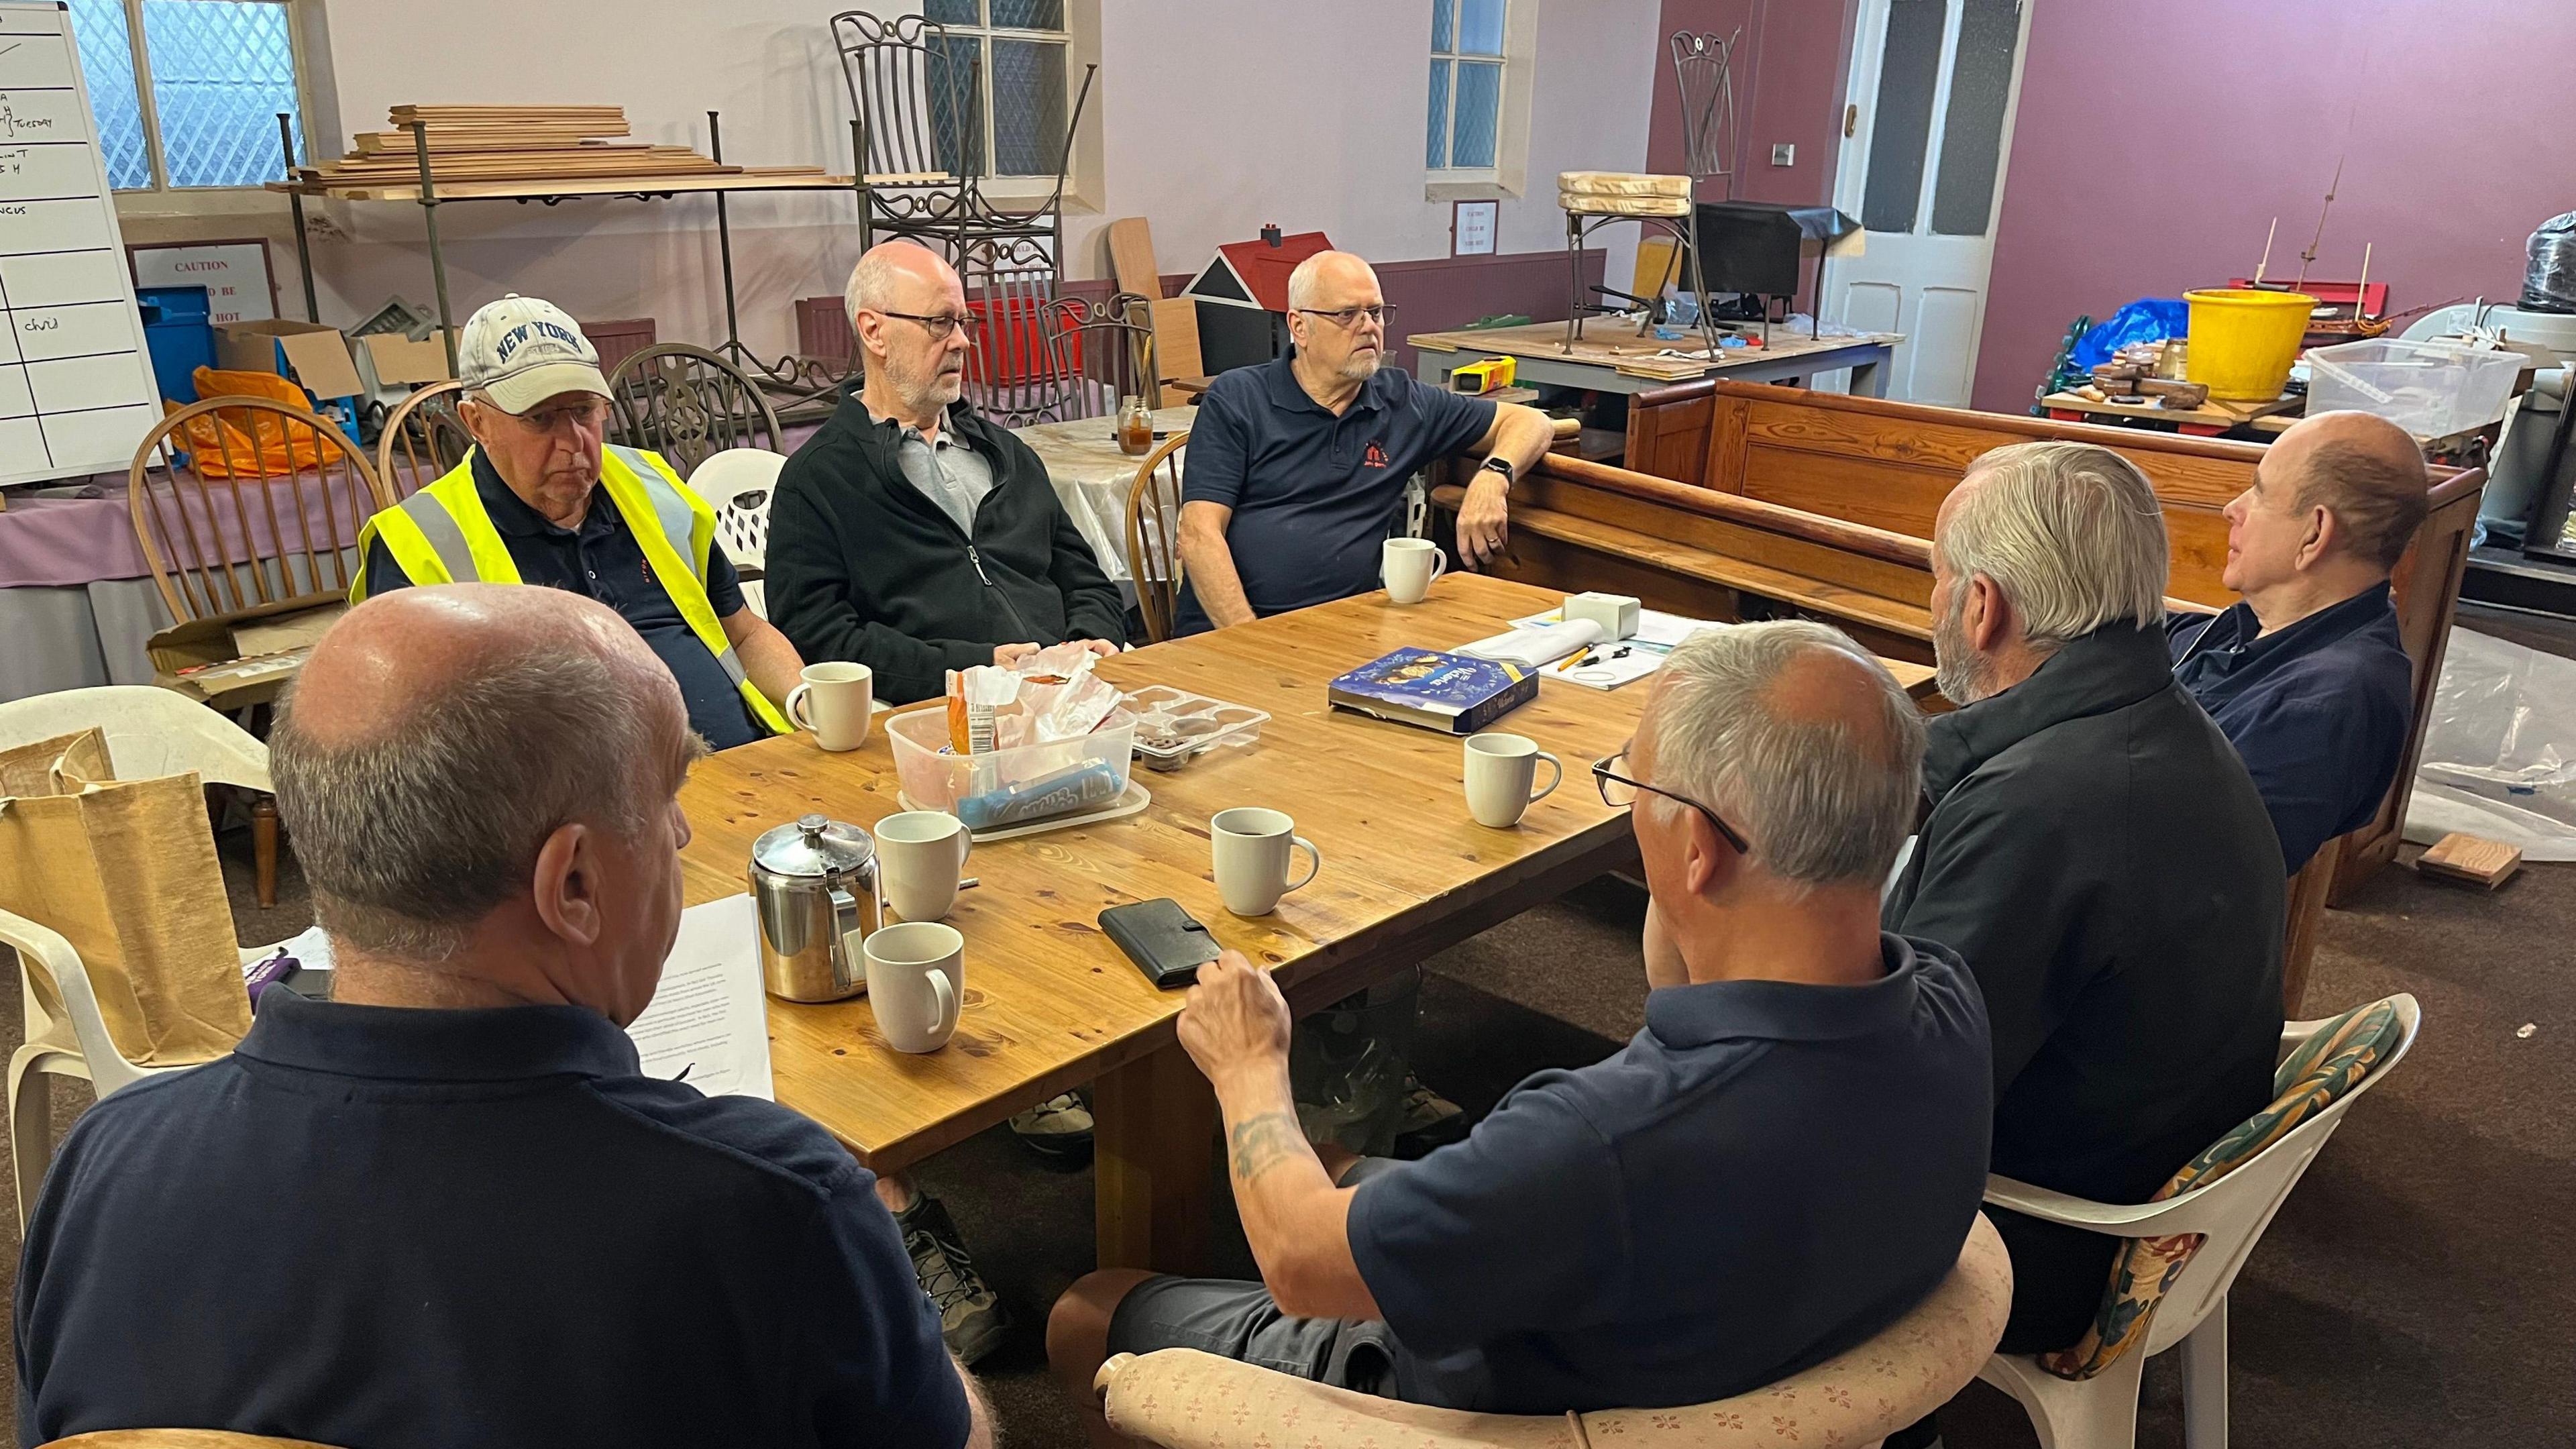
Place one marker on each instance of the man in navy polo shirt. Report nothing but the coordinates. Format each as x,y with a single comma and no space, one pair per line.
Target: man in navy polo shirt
445,1207
1786,1159
2307,675
1297,468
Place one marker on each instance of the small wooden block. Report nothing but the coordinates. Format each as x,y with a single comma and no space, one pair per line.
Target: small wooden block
2467,858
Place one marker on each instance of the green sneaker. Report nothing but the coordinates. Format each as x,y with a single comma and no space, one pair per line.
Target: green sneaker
970,1314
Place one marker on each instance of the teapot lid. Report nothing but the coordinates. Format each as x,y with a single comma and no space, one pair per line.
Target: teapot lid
813,846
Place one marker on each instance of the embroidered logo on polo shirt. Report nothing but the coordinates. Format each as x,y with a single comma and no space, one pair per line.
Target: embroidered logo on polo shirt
1376,455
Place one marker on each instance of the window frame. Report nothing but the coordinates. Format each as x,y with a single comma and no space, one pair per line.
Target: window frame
986,33
1508,177
162,199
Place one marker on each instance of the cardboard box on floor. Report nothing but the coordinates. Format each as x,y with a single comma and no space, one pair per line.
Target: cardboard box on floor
313,356
238,659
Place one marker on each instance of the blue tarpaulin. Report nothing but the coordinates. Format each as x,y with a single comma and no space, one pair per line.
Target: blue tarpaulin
2148,319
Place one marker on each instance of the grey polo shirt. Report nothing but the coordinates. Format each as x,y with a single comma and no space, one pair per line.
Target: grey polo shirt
1767,1175
948,472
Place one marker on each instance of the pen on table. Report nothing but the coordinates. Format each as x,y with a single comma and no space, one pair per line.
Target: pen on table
1575,660
684,1072
970,882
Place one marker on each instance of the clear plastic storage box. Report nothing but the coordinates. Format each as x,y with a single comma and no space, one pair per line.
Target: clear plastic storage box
2431,389
1011,787
1174,726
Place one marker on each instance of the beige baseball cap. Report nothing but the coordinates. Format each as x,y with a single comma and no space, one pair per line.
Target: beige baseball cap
520,351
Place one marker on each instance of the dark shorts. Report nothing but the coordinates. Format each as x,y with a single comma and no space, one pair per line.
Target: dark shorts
1238,1320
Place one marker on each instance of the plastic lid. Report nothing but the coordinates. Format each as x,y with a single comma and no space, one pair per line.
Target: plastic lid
814,846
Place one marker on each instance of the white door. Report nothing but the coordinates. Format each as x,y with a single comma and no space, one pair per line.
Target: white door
1933,87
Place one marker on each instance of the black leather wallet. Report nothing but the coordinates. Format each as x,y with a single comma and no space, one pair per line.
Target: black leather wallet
1164,941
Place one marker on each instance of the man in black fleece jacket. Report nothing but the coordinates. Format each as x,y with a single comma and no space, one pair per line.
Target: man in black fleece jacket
912,536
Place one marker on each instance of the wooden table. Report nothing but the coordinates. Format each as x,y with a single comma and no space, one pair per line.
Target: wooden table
2205,421
1051,1004
1609,356
1093,478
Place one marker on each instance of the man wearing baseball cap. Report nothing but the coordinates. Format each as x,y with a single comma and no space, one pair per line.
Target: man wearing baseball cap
544,499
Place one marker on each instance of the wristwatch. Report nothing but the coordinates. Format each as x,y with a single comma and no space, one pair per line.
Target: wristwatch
1499,465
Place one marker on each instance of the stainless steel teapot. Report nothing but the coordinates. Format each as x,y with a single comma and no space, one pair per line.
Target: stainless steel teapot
814,884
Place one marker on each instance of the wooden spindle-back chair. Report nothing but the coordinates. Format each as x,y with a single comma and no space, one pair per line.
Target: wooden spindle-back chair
422,441
220,493
1154,537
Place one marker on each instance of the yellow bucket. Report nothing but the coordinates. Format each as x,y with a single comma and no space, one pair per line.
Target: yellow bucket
2244,340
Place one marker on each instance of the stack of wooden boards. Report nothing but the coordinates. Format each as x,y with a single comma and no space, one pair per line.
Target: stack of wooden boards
517,146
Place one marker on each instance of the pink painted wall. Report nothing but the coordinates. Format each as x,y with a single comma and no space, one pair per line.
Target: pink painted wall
1789,82
2155,143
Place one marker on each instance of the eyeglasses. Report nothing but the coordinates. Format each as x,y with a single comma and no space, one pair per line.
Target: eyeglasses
589,417
1348,317
939,327
1619,792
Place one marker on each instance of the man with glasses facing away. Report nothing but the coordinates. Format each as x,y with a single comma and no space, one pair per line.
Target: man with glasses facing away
911,535
1782,1162
543,498
914,537
1296,468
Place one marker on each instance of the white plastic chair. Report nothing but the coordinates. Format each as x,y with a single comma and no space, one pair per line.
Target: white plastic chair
2102,1412
150,732
737,484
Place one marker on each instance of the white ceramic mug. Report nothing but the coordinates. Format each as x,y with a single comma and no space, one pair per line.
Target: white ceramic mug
1501,768
1408,565
923,853
1252,849
837,702
916,980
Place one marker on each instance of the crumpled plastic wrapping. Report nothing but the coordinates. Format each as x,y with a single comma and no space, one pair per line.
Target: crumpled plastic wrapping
2500,750
2549,281
1057,694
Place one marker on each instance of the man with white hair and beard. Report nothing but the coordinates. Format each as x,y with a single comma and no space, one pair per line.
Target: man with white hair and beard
911,535
2095,852
1297,468
914,537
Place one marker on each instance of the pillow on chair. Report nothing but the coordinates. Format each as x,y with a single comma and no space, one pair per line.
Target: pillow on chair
2326,1066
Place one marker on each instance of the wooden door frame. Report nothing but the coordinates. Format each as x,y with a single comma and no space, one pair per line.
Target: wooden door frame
1862,63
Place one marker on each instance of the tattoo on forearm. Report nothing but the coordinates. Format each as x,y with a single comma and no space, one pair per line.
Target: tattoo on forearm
1262,1143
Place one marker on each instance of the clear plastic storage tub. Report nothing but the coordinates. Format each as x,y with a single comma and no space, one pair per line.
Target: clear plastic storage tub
2431,389
1010,787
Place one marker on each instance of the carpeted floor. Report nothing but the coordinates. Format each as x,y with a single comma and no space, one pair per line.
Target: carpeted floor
2410,1293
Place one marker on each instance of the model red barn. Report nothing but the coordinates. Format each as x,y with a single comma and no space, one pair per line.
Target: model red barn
1242,297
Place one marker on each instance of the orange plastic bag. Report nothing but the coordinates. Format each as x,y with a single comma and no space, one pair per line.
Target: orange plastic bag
274,448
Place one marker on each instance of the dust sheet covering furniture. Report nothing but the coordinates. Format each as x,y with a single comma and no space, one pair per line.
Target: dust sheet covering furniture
1051,1004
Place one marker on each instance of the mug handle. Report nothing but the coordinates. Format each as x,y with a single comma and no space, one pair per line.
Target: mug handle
794,708
965,845
1439,566
1558,766
946,991
1313,870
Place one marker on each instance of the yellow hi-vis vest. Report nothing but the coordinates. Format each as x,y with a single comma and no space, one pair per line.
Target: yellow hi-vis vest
442,535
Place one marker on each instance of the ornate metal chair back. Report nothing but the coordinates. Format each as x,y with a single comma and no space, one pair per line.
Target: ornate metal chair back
686,403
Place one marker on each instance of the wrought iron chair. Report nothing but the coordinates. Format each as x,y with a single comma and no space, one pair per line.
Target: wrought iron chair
231,494
1154,538
687,404
1704,74
422,441
920,141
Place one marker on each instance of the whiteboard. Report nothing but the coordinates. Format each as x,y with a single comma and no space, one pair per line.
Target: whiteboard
76,391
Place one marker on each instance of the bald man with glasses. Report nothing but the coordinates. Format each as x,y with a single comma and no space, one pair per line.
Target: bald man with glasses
1297,468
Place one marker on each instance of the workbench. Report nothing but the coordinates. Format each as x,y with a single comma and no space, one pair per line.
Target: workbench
1610,357
2205,421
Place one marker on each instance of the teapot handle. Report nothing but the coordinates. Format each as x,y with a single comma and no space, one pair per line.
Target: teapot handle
848,968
